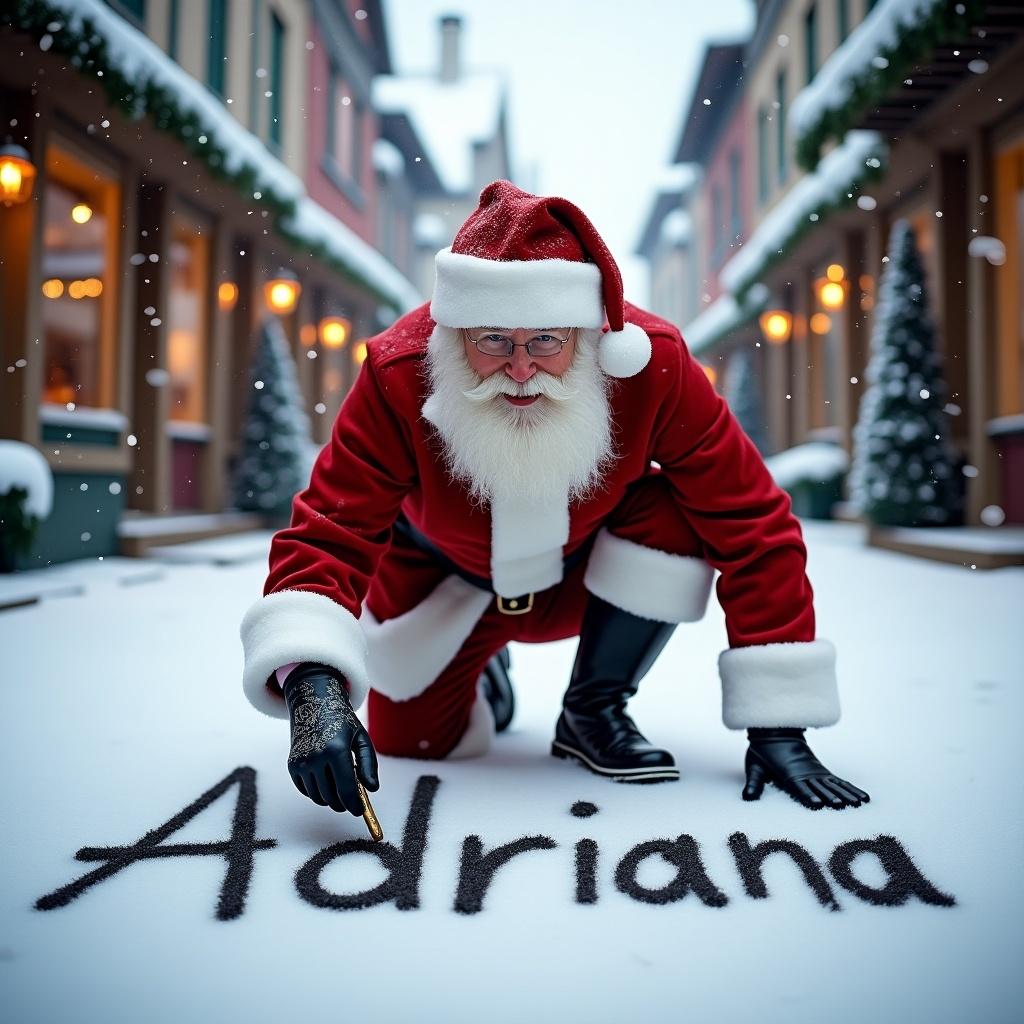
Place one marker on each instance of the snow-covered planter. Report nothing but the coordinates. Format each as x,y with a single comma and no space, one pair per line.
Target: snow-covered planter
812,474
26,498
876,59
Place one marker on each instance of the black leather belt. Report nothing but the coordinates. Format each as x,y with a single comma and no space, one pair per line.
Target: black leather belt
519,605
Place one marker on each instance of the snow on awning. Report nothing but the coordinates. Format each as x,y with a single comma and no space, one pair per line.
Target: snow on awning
312,224
140,61
814,462
388,159
450,117
724,315
430,231
676,228
838,174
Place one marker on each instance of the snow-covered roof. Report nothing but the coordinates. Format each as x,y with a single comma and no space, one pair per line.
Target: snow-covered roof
813,462
430,230
23,466
677,227
838,173
722,316
311,221
388,159
450,117
677,178
140,60
880,30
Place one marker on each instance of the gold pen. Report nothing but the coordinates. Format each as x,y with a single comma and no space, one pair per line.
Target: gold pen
376,832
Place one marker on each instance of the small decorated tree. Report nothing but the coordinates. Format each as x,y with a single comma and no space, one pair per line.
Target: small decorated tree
904,467
273,464
741,391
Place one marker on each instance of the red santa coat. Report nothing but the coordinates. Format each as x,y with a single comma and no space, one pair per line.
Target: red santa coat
385,457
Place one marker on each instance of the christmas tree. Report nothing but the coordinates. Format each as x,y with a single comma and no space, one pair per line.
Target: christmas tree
273,463
743,395
903,471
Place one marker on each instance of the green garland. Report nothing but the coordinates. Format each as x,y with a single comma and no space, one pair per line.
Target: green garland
87,52
875,169
869,88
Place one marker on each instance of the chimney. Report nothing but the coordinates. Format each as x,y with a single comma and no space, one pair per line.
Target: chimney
451,30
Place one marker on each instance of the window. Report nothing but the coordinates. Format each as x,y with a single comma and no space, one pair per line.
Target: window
717,223
735,197
81,220
780,125
135,10
188,318
762,154
843,18
276,78
1009,211
216,51
811,41
344,134
172,29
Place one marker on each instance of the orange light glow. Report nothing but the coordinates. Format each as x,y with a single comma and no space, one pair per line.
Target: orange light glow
93,287
821,323
17,175
282,293
835,272
307,335
334,331
227,295
76,290
710,372
81,213
54,288
832,295
776,325
359,353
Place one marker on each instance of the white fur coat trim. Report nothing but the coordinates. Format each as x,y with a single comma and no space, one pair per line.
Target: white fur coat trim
474,292
476,740
300,625
646,582
527,538
407,653
779,685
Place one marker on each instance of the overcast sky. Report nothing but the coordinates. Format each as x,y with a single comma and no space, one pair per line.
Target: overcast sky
597,89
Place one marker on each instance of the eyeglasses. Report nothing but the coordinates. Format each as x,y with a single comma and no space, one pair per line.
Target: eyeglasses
542,346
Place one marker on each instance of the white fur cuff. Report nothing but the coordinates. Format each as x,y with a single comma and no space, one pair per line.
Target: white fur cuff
775,685
473,292
646,582
300,625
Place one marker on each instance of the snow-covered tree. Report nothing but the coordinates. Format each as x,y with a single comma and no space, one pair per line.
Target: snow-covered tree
904,467
742,392
273,464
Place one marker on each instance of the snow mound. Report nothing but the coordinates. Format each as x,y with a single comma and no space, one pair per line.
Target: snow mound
813,462
23,466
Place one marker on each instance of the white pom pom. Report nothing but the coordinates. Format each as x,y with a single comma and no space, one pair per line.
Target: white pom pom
624,353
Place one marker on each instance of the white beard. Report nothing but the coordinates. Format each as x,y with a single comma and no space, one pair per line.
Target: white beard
559,445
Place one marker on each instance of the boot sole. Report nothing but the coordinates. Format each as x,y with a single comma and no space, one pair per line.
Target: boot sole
567,753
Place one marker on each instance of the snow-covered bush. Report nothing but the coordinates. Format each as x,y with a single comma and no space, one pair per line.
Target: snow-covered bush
813,474
273,464
904,467
26,498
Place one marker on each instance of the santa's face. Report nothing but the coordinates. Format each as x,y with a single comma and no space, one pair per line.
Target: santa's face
533,423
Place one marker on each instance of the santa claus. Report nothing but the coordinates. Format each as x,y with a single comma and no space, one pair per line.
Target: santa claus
529,458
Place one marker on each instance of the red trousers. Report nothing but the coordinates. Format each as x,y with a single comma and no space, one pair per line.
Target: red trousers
431,724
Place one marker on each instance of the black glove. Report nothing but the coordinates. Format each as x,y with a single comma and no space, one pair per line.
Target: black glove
325,732
782,756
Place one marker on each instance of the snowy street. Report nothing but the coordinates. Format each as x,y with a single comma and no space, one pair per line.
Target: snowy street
124,707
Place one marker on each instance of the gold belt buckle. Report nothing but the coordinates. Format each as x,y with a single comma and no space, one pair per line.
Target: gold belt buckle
515,605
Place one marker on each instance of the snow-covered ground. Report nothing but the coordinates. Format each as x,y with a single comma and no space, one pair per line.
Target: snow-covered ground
123,705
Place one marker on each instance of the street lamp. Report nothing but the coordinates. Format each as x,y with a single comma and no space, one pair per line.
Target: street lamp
776,325
831,294
17,175
227,295
281,293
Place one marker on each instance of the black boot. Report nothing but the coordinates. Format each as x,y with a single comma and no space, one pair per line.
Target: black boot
498,689
616,650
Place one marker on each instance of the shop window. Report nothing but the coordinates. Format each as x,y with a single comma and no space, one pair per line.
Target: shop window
781,165
344,135
1009,269
277,36
216,54
188,319
80,236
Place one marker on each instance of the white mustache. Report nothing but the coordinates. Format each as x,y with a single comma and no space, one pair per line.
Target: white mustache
540,383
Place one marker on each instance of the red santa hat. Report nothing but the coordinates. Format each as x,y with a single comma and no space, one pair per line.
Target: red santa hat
531,261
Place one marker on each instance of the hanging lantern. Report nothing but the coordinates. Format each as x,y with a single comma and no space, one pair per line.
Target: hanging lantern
334,331
776,325
17,175
831,294
81,213
281,293
227,295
